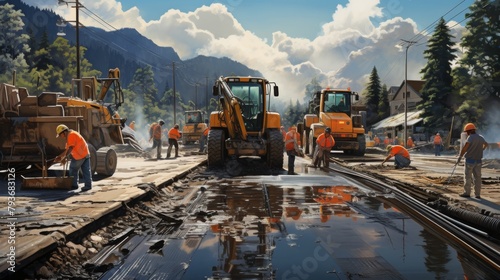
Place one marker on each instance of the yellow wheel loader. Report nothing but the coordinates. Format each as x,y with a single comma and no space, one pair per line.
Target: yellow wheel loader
243,126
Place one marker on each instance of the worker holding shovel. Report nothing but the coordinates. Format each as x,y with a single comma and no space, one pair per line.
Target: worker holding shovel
78,152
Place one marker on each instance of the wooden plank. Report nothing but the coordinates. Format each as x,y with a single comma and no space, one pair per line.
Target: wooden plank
47,183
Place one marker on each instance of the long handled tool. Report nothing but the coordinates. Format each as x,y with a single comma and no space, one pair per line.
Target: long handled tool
452,171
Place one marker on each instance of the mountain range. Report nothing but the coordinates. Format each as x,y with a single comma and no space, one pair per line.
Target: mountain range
128,50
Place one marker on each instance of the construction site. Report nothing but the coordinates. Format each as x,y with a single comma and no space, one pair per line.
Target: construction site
177,219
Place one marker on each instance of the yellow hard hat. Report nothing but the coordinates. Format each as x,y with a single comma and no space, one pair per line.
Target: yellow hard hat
61,128
469,126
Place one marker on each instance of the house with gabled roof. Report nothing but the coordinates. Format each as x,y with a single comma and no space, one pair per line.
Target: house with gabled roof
397,103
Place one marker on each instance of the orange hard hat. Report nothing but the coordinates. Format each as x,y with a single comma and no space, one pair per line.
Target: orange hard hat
469,126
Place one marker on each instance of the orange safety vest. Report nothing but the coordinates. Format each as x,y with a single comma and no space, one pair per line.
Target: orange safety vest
324,142
289,140
399,150
173,133
438,140
205,133
409,143
80,148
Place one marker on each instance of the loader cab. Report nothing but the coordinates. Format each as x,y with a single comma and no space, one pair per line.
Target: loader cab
251,97
337,101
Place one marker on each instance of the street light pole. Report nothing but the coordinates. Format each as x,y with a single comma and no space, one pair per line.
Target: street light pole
405,133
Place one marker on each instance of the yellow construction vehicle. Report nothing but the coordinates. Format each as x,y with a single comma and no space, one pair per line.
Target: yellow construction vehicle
194,126
333,108
28,123
244,126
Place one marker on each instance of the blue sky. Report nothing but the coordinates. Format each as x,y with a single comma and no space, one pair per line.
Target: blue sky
301,18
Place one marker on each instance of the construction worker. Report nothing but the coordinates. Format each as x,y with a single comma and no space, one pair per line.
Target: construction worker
155,136
409,142
400,154
203,139
77,151
324,144
438,144
292,142
173,137
473,153
376,140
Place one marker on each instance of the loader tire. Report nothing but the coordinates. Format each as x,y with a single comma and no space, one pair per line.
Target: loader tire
216,148
362,145
275,149
106,161
305,141
93,159
312,143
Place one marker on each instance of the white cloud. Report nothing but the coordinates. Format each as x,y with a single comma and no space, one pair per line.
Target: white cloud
345,51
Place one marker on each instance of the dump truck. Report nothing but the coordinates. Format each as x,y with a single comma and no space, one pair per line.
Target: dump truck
333,108
244,126
194,125
28,123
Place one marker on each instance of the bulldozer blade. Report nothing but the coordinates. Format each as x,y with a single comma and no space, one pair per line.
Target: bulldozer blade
64,183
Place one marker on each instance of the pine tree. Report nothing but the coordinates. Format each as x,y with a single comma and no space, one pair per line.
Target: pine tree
480,91
437,90
13,43
383,104
373,92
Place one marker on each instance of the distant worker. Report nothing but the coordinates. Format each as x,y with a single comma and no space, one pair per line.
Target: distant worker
409,143
341,103
132,125
156,137
376,140
77,151
173,140
400,154
324,144
203,139
473,153
438,144
292,142
396,140
387,141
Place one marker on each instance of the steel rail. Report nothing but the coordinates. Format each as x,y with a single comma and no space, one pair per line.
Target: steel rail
431,217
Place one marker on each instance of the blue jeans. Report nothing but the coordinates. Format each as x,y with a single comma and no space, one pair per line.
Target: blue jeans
291,162
437,150
400,161
84,165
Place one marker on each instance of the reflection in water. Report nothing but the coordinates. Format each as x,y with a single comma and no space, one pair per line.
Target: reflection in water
437,254
315,232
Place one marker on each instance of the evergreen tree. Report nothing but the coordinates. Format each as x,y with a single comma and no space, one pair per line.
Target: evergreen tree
33,47
481,61
42,58
13,43
373,92
437,90
383,105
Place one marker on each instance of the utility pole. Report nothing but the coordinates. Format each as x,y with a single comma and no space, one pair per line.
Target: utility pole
206,96
173,77
405,134
195,95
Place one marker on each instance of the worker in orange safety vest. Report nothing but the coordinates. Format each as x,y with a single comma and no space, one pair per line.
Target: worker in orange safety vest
173,140
400,154
292,142
324,144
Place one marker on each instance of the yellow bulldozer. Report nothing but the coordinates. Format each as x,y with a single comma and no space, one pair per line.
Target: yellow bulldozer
194,126
243,126
28,123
